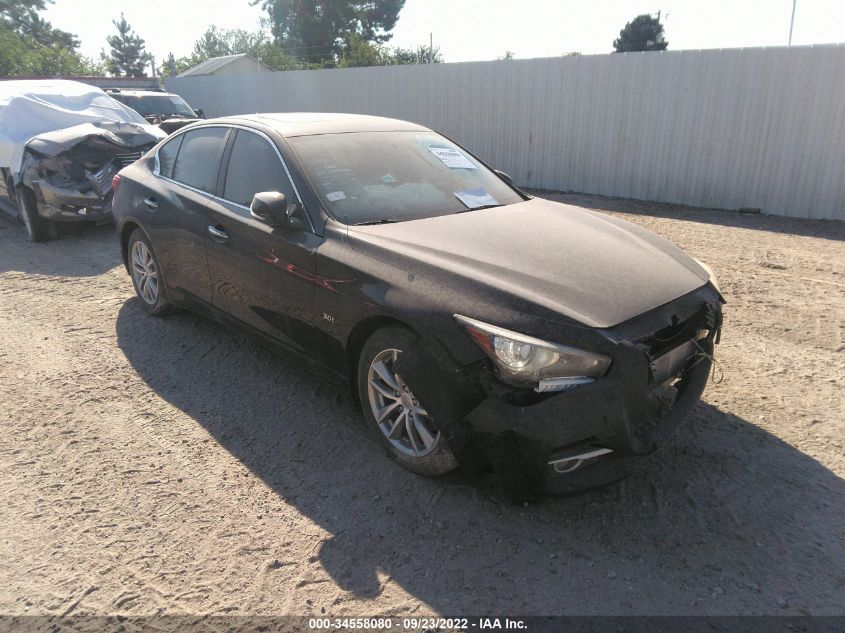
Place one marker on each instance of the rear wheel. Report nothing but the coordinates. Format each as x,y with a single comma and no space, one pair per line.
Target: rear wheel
400,421
37,228
146,274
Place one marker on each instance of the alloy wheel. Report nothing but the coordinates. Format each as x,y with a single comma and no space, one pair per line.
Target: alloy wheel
400,416
144,272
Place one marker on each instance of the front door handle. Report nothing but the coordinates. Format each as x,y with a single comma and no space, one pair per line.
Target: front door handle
151,203
218,234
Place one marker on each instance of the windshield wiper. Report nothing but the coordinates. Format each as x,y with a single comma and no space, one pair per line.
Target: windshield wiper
385,221
483,206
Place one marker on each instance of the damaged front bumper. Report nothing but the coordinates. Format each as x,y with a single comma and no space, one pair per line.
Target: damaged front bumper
75,201
623,414
70,171
589,433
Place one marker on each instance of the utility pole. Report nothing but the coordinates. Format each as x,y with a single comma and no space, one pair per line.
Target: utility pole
258,54
792,22
430,47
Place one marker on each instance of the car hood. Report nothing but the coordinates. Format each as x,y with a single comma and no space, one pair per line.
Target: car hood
588,266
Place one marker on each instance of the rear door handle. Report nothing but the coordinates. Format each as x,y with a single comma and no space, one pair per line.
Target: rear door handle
218,234
151,203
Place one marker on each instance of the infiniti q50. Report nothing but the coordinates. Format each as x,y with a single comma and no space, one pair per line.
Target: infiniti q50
469,318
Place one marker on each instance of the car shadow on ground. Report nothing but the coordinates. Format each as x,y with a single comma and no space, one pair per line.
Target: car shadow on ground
81,250
827,229
741,520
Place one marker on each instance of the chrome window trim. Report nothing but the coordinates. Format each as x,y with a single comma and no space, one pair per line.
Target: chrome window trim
157,171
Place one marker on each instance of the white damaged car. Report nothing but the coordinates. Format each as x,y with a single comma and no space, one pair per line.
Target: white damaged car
61,143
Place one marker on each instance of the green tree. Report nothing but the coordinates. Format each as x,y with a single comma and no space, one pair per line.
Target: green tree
212,44
358,52
269,53
21,16
420,55
643,33
22,55
34,26
216,42
128,56
321,30
171,66
507,55
14,11
361,53
29,45
354,51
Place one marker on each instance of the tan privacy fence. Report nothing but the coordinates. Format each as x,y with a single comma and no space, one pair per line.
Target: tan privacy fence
760,128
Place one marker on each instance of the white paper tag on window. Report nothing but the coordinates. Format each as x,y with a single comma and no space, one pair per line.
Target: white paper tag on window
473,198
334,196
452,158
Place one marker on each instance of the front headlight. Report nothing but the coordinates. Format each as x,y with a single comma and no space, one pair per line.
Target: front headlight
524,360
710,272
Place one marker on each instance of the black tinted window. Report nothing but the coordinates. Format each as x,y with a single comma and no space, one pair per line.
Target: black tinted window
254,166
167,156
199,158
165,105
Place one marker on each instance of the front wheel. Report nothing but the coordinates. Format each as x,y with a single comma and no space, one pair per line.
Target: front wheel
400,421
37,228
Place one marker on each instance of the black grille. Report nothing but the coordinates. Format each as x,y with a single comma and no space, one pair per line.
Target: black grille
124,160
101,180
679,332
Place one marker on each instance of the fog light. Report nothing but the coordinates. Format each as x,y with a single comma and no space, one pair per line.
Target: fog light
560,384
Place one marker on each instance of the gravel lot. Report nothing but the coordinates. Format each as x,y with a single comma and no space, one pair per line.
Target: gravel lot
170,466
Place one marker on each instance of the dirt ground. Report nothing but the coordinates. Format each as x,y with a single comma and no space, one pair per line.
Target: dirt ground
170,466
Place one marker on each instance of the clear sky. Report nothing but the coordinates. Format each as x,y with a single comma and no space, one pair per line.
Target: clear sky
469,30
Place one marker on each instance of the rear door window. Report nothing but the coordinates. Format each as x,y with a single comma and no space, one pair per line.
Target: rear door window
254,166
198,161
167,156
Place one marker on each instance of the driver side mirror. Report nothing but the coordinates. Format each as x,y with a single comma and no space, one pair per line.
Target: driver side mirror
273,208
199,113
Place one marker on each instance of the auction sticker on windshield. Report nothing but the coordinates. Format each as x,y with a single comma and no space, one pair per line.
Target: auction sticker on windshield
452,158
474,198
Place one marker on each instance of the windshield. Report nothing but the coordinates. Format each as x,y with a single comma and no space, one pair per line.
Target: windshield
365,177
148,105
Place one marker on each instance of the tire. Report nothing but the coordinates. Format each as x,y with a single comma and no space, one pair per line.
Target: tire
416,443
37,228
145,272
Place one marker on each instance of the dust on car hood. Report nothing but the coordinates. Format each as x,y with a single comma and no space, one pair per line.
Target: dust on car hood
588,266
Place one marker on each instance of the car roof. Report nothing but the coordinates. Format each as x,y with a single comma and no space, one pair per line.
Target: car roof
308,123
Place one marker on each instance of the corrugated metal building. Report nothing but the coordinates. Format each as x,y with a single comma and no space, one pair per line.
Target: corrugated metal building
760,128
239,64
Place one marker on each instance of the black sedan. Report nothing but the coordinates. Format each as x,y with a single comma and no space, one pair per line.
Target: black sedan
472,321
